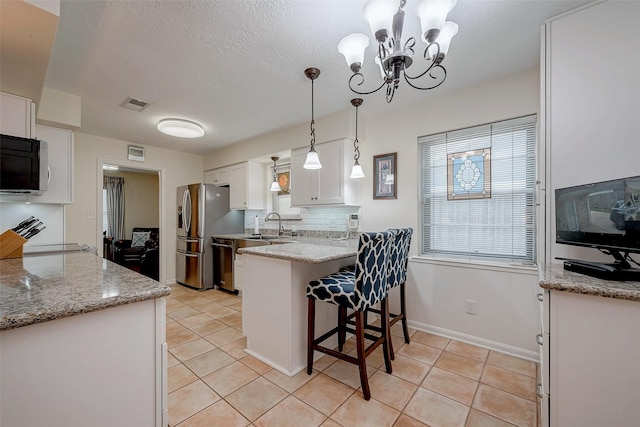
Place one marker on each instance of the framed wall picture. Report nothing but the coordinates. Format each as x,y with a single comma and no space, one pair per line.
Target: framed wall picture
283,181
385,178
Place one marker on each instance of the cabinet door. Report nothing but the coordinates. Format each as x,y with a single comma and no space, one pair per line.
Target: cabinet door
303,181
256,187
60,152
16,116
331,176
218,177
238,187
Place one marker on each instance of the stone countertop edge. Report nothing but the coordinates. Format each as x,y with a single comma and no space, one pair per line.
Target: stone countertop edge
303,252
555,277
79,287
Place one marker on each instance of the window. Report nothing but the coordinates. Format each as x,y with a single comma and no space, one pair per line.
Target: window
105,216
477,192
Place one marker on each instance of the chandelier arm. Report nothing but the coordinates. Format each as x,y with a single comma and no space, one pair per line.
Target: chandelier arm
361,82
444,77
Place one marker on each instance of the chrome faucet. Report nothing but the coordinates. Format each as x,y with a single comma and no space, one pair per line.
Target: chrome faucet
280,228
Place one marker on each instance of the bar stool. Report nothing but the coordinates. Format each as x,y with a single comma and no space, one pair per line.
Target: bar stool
397,276
358,291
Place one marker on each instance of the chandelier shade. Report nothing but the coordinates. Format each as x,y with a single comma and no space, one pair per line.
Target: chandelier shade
395,56
353,47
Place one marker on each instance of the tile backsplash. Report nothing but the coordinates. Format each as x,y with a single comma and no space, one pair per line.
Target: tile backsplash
321,221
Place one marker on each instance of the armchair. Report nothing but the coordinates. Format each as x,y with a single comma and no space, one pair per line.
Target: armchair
130,253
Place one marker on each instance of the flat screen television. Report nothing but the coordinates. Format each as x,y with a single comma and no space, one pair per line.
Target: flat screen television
606,216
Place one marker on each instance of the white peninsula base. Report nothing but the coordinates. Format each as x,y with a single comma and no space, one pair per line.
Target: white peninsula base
274,309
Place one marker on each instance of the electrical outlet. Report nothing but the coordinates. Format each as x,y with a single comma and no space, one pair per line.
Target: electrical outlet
470,306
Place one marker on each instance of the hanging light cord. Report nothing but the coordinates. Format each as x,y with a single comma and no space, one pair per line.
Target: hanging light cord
313,131
356,148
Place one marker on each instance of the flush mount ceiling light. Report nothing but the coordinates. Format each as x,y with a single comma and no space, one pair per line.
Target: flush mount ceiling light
180,128
275,186
312,161
356,171
394,58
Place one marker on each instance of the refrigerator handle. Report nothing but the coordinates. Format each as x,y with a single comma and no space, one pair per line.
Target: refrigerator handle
187,209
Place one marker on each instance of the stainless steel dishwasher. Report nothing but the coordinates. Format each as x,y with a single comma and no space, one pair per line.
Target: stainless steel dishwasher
224,251
224,256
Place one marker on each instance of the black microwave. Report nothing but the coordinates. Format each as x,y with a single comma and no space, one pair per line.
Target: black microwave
24,165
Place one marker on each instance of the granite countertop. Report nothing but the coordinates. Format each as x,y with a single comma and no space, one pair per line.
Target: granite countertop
306,249
556,278
40,288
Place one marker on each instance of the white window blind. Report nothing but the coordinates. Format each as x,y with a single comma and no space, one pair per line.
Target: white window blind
501,227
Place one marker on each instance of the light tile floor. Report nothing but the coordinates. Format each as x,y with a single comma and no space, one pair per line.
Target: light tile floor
435,382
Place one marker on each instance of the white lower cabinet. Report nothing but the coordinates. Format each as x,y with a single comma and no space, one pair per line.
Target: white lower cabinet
594,354
329,185
60,152
100,369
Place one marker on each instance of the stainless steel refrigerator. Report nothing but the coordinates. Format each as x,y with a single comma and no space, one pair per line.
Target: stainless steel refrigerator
203,211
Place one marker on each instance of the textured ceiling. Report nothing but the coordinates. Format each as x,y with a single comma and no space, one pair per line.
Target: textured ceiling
236,67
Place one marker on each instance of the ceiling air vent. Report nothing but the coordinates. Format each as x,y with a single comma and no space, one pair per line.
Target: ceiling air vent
134,104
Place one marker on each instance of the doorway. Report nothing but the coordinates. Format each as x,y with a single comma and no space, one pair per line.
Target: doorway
143,203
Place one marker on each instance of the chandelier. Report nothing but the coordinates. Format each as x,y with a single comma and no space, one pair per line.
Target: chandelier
394,58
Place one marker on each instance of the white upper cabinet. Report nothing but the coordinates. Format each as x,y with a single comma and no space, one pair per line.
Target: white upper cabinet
60,153
219,177
247,186
329,185
17,115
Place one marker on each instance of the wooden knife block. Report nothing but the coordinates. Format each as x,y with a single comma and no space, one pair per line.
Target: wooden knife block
11,244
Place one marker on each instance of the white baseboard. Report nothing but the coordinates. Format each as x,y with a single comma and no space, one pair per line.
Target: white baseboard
480,342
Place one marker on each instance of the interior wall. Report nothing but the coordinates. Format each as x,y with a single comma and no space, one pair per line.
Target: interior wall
81,217
140,200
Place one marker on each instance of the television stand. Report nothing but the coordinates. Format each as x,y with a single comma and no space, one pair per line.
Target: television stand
607,271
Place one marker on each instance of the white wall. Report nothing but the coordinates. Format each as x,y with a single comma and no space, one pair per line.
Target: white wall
592,123
83,216
507,316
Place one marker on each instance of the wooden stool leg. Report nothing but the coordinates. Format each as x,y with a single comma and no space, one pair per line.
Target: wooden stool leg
403,312
311,327
386,333
364,381
342,325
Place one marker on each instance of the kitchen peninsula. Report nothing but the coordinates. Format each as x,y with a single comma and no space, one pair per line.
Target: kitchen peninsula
82,342
274,301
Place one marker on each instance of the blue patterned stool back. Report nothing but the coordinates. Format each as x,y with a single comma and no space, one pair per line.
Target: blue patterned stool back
365,286
399,257
372,267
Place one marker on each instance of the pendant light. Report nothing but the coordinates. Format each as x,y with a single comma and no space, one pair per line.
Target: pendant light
313,161
356,171
274,185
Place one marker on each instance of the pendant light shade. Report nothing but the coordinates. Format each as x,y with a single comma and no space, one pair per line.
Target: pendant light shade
312,161
356,171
